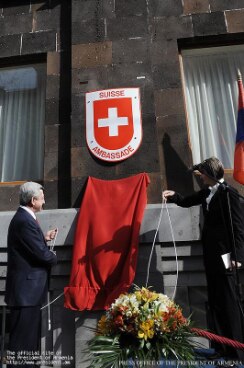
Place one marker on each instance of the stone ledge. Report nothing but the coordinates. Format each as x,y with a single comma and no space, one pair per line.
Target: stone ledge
185,224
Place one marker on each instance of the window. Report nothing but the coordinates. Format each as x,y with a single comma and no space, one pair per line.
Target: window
22,115
211,92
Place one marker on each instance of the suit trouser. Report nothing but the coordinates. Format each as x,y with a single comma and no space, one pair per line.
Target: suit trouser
225,311
25,328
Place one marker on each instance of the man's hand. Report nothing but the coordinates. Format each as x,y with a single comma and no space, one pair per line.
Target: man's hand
50,235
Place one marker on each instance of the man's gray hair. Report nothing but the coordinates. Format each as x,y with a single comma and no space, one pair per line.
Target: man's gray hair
27,191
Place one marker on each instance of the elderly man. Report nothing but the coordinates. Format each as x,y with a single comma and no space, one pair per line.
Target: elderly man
29,263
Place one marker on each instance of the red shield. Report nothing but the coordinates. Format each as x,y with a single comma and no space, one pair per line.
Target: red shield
113,123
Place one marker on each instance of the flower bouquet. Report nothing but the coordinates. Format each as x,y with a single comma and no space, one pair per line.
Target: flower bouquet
140,327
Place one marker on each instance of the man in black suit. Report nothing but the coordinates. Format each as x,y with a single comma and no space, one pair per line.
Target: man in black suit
29,263
222,220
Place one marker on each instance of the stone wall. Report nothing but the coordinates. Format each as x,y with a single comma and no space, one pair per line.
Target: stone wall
90,45
97,44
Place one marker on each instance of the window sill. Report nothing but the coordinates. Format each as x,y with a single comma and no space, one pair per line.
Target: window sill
11,183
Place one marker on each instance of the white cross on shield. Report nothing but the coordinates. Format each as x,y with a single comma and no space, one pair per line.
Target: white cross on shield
113,123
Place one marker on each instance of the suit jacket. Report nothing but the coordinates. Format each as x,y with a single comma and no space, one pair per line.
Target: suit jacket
217,233
29,262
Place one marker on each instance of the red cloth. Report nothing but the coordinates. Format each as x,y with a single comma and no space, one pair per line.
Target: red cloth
106,242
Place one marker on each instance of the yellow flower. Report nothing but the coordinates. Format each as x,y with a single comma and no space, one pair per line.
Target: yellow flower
140,334
146,330
138,295
147,295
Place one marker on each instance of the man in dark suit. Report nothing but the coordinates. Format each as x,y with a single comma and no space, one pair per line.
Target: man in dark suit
223,226
29,263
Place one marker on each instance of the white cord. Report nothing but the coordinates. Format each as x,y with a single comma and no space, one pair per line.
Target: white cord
49,322
52,245
53,241
164,204
175,249
54,300
153,245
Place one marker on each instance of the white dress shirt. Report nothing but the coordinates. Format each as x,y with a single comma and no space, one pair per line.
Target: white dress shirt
213,190
29,211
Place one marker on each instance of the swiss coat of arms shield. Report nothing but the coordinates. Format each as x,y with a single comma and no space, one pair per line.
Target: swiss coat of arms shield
113,123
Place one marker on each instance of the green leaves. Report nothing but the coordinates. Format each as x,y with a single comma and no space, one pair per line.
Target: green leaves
107,352
141,327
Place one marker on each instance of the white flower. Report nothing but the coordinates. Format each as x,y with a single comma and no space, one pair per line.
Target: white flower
161,307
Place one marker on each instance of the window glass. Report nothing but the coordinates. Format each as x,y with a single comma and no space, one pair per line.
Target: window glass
211,92
22,114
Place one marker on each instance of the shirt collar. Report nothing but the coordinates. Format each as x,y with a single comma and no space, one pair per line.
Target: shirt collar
215,187
29,211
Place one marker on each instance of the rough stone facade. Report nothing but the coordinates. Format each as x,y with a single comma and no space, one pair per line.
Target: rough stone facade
90,45
97,44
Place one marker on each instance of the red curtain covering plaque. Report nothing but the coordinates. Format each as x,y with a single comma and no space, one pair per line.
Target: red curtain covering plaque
106,242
